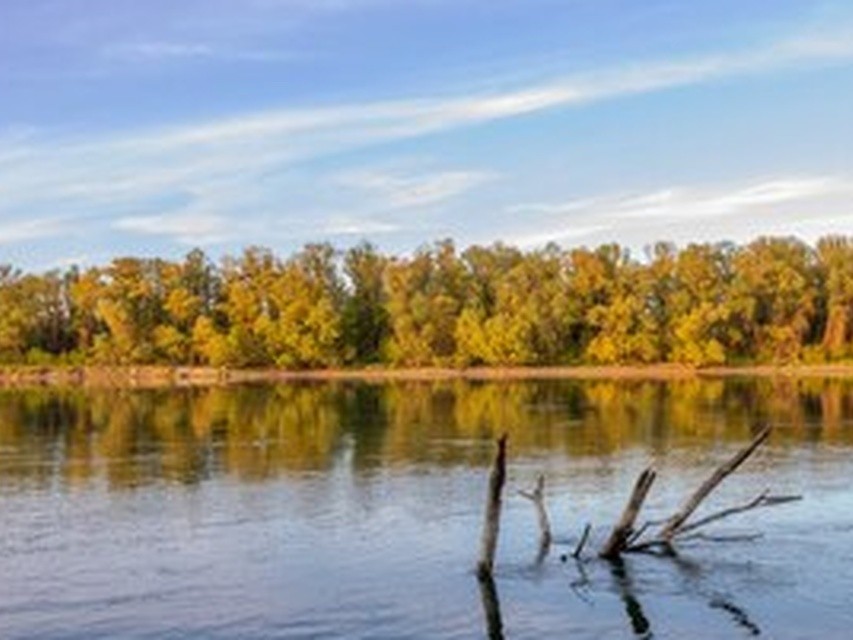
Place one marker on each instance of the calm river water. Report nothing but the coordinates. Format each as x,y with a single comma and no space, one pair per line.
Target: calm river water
353,510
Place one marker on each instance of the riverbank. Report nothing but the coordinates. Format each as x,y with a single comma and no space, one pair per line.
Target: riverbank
164,376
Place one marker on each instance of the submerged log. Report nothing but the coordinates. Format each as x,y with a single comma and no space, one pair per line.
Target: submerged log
618,540
676,523
491,522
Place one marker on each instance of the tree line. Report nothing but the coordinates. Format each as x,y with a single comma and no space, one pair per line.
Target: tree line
775,300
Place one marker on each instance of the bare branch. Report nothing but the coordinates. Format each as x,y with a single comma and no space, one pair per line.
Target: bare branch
582,542
677,521
537,497
762,500
617,542
636,535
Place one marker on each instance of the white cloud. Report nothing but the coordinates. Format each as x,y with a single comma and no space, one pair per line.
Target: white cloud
402,191
684,203
237,164
732,211
561,235
349,225
32,229
186,228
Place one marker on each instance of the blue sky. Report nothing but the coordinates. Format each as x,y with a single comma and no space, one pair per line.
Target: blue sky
148,128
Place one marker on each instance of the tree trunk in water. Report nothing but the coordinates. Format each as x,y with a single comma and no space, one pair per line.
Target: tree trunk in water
491,523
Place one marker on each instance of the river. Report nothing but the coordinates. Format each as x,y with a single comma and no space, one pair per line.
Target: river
353,510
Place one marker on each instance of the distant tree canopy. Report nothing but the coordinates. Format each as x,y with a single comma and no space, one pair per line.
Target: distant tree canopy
775,300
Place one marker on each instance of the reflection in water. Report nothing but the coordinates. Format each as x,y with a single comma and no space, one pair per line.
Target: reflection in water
693,576
132,437
351,509
640,625
491,607
739,615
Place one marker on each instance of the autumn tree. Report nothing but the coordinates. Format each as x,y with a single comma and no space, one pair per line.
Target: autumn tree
835,255
618,314
774,294
700,331
774,300
425,294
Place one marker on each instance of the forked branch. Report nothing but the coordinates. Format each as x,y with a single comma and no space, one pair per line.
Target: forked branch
537,497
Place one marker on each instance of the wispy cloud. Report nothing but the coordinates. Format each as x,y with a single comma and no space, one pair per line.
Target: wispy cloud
685,202
350,225
159,51
15,231
669,212
186,228
206,172
402,191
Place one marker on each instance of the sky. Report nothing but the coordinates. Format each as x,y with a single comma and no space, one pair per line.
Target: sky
149,128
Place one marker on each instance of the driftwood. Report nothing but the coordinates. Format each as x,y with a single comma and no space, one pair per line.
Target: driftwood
624,536
618,540
491,523
537,497
675,524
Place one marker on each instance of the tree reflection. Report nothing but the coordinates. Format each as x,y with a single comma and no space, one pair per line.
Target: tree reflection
132,437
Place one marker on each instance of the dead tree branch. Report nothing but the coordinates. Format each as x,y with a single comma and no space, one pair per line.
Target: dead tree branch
678,520
762,500
576,554
617,542
491,523
537,497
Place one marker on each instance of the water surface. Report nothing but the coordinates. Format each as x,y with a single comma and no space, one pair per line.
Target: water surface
348,510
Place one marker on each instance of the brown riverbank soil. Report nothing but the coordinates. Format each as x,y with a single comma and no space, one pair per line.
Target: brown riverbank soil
158,376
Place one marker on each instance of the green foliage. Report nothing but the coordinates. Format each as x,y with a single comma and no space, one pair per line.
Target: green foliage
365,319
774,300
